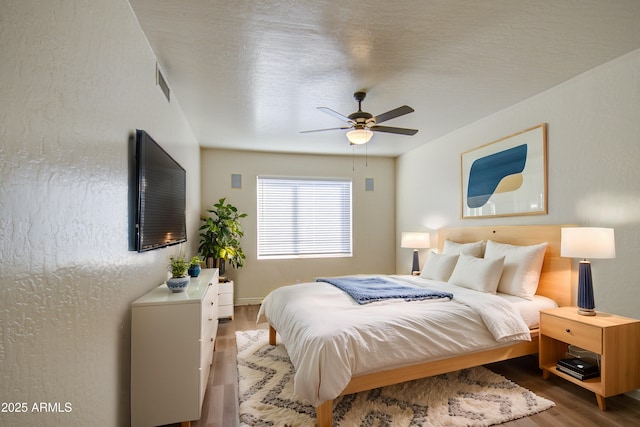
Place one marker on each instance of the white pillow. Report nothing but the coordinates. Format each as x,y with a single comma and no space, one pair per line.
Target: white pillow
480,274
522,265
439,266
475,249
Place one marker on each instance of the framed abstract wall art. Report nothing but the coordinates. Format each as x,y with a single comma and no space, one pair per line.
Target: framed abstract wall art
506,177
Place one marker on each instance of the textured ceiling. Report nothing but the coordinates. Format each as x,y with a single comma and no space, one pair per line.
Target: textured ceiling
249,74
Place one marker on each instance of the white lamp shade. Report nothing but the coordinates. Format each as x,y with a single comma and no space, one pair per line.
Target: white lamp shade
587,242
359,136
415,240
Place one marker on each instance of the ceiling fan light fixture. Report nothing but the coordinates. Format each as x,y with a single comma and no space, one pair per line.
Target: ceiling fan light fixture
359,136
362,124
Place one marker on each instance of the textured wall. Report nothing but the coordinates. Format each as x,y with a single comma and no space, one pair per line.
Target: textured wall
76,80
593,155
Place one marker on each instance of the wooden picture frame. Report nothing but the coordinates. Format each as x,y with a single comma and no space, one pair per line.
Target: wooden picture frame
506,177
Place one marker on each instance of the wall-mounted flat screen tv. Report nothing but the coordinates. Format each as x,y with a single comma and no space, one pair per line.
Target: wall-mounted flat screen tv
161,196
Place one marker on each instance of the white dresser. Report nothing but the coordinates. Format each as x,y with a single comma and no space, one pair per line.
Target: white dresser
225,304
172,342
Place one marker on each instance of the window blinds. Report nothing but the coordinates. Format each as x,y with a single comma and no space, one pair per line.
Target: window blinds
304,217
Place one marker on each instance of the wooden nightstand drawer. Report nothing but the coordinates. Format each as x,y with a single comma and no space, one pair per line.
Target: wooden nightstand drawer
585,336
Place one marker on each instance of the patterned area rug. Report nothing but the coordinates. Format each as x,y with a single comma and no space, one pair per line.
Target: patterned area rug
471,397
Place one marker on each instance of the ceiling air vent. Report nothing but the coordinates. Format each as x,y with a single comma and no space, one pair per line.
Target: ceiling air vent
160,81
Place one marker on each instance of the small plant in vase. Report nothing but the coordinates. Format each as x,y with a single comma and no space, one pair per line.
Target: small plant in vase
194,266
179,279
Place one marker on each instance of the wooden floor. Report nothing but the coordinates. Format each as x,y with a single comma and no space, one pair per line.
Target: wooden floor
574,405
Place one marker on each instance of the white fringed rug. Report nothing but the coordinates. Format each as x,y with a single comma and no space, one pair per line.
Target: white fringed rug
471,397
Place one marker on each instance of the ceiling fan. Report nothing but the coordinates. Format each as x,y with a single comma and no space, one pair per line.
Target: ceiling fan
363,124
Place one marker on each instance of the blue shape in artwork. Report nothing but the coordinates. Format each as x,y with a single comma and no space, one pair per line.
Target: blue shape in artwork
487,172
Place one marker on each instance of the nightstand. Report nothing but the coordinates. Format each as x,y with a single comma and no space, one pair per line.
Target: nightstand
225,307
615,338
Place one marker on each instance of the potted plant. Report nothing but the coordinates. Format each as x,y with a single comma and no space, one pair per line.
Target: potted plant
220,234
194,266
179,279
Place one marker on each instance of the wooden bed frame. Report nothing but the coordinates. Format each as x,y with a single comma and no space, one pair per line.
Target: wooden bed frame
555,283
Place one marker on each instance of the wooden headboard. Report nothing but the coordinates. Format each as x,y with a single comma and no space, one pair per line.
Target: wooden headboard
555,277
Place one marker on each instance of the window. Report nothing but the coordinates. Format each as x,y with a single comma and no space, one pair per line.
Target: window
304,217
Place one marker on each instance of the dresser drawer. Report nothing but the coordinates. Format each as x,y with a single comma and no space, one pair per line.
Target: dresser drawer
207,343
582,335
209,310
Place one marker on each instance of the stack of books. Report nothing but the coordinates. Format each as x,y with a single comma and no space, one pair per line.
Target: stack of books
578,368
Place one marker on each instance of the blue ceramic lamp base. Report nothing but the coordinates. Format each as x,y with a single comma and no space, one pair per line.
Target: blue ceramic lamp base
416,263
586,303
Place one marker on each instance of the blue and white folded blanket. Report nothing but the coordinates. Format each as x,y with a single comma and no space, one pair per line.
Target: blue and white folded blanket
365,290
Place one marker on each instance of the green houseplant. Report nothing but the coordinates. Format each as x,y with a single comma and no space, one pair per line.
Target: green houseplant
179,279
194,266
220,234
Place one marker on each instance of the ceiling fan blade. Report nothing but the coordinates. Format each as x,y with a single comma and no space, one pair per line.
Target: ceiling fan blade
400,111
322,130
388,129
335,114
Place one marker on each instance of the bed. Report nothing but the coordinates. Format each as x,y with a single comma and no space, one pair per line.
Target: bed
339,347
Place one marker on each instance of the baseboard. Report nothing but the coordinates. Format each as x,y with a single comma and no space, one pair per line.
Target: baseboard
248,301
634,394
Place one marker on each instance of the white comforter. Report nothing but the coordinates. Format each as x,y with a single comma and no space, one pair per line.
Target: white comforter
330,337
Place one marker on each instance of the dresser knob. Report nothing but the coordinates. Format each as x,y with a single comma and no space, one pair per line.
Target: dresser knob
568,330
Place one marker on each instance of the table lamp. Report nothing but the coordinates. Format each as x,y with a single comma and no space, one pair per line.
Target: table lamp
415,241
586,242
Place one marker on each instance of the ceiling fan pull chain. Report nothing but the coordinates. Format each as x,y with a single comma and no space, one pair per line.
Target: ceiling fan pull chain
353,159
